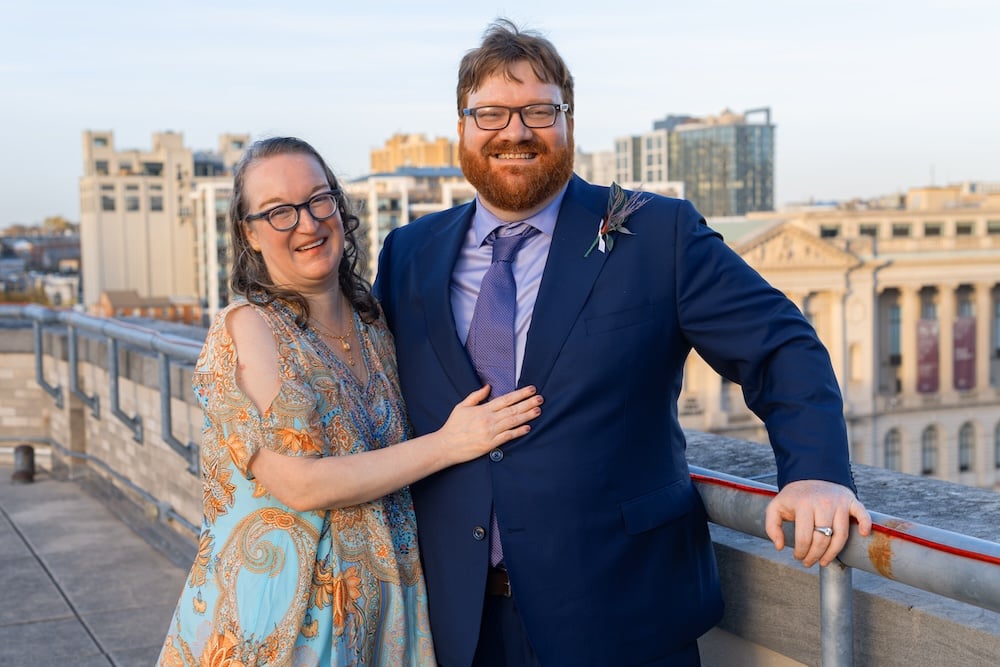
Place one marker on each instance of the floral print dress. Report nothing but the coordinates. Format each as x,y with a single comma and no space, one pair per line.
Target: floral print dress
273,586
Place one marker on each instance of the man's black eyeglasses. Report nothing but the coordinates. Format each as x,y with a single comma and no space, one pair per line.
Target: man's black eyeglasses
285,217
532,115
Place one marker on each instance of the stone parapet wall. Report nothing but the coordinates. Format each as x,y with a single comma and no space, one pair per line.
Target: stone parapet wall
20,417
85,445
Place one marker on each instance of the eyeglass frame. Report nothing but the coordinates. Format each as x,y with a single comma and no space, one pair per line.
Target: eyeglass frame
471,112
266,214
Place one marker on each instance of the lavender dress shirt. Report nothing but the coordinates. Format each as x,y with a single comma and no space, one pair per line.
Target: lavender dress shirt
475,258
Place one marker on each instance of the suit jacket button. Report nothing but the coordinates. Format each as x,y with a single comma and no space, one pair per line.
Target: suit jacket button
496,455
479,533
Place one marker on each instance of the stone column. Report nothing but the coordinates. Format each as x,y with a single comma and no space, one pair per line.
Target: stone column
984,317
909,307
837,331
947,312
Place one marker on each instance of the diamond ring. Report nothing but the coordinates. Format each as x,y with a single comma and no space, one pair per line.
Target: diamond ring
826,530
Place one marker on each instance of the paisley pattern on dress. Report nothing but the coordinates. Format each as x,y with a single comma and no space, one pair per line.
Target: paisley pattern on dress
273,586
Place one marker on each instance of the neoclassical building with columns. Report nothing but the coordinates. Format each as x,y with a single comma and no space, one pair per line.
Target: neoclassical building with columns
907,300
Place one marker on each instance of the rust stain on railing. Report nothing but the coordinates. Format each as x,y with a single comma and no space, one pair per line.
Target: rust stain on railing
880,545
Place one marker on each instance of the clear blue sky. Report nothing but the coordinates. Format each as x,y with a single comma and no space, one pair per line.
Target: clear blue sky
869,97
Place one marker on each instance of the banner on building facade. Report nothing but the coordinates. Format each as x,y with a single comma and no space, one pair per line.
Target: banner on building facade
965,352
928,361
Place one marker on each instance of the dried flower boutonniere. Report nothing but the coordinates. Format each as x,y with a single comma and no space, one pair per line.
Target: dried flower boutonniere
620,207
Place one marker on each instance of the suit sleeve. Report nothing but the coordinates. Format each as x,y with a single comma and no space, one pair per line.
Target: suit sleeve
751,334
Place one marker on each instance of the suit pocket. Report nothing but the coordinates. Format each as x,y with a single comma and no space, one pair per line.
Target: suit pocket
619,320
658,507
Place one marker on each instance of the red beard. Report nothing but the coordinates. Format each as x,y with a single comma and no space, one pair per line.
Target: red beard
517,187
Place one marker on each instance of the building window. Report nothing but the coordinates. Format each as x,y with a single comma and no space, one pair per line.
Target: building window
900,230
869,230
829,231
725,393
156,203
131,202
895,325
152,168
893,451
107,198
966,308
101,167
928,309
932,229
966,447
993,227
996,446
996,328
963,228
929,451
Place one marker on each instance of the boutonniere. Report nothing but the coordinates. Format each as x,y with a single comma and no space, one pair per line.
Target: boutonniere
620,207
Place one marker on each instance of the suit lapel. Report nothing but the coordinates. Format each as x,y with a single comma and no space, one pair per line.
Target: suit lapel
567,280
435,261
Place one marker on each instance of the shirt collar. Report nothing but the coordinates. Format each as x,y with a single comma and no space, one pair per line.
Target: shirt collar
484,222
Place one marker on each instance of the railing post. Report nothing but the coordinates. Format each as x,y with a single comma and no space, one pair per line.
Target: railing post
190,450
135,421
92,401
55,391
836,615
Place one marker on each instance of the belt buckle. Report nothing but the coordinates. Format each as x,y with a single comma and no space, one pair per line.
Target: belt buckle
495,576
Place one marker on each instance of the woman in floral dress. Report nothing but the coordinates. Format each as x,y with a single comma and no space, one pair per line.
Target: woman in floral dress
308,551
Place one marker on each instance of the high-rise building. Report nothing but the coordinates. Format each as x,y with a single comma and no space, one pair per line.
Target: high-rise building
597,167
643,158
386,201
726,162
210,205
413,150
138,224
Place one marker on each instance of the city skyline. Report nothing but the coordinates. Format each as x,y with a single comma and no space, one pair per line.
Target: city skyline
866,101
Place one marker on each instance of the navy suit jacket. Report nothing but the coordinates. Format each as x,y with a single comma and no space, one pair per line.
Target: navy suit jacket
604,535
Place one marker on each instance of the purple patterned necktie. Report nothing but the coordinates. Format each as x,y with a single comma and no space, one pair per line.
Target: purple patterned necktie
491,332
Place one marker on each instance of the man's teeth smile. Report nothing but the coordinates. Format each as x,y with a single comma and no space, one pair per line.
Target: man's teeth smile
314,244
514,156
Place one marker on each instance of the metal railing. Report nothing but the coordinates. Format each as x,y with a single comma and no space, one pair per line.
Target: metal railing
170,351
956,566
938,561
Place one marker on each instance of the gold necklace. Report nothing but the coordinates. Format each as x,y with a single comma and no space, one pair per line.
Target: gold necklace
345,345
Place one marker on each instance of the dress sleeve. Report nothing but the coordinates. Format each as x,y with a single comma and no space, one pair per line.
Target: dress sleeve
289,426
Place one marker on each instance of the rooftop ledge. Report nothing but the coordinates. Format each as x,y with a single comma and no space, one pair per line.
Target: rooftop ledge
773,602
775,614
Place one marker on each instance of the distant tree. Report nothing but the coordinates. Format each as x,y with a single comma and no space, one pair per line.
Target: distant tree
31,295
17,229
56,224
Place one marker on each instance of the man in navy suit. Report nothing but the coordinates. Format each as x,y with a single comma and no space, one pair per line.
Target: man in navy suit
606,556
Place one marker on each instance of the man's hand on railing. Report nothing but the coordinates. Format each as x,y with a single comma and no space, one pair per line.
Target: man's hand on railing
822,514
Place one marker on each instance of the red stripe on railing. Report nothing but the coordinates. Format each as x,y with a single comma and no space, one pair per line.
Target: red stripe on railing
733,485
877,527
